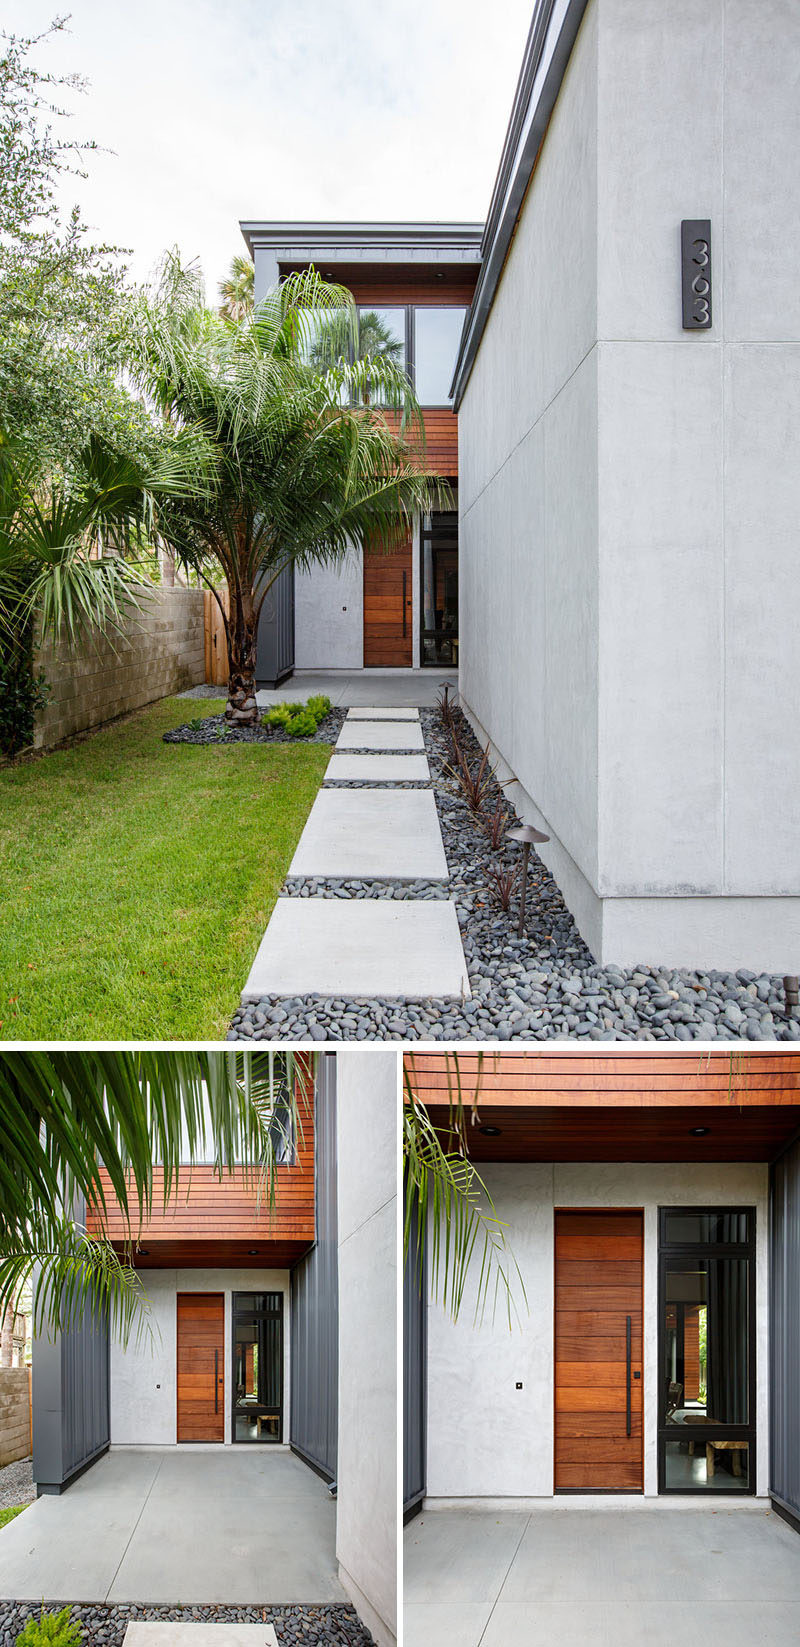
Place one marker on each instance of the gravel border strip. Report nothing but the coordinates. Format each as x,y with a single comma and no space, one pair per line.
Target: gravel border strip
105,1623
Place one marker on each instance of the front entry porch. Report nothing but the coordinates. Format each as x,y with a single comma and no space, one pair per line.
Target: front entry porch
355,688
179,1526
602,1577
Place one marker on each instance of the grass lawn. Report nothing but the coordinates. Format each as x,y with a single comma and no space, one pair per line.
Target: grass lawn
8,1515
138,877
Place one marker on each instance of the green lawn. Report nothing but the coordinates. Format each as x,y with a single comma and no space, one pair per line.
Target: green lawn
138,877
8,1515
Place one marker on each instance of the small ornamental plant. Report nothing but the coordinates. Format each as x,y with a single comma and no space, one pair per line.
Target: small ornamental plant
51,1630
299,720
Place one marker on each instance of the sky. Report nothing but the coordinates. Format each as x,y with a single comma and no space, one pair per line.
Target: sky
212,112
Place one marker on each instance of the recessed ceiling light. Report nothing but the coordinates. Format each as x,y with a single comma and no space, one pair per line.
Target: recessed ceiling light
699,1132
490,1132
253,1252
143,1252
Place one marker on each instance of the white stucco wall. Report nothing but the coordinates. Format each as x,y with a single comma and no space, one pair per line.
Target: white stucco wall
143,1375
367,1505
486,1439
630,492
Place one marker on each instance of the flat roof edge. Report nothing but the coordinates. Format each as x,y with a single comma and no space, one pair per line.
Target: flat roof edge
363,237
551,37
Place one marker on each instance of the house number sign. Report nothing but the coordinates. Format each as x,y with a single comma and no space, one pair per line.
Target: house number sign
696,273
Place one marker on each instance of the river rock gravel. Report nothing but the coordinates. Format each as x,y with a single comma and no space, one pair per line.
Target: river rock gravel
104,1625
543,986
16,1484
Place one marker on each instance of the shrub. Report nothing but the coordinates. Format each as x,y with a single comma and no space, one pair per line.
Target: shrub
22,694
299,720
502,883
51,1630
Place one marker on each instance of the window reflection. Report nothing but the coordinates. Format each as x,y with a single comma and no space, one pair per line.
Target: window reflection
437,334
258,1366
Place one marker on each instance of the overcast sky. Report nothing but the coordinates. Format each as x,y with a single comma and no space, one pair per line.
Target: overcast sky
281,109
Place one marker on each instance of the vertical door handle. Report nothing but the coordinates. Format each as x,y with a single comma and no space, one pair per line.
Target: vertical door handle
404,603
627,1375
216,1385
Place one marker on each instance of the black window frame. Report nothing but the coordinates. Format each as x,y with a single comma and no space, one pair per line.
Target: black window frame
433,634
251,1315
410,340
708,1432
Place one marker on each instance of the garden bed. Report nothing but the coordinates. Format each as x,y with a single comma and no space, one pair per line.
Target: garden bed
544,985
105,1624
215,729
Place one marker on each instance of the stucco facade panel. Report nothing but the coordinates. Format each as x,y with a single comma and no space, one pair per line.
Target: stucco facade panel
762,612
329,616
486,1439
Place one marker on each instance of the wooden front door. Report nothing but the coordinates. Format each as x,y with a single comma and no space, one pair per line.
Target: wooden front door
201,1366
388,609
598,1352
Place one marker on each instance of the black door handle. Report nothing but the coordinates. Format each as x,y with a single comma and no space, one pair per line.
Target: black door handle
404,605
216,1382
627,1375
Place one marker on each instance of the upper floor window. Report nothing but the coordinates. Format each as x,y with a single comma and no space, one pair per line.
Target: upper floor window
437,334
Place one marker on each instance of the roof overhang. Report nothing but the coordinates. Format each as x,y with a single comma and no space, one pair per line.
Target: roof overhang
573,1106
550,40
392,243
215,1254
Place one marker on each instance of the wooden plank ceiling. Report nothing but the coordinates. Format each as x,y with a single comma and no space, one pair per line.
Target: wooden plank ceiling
640,1107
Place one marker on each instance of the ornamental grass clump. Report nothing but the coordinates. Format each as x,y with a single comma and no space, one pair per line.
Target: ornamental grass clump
299,720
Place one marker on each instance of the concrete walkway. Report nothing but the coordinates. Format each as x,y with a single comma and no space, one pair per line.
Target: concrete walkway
178,1526
381,833
602,1578
388,688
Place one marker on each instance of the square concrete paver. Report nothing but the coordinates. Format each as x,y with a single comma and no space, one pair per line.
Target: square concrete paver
162,1632
380,735
396,713
378,769
372,834
364,946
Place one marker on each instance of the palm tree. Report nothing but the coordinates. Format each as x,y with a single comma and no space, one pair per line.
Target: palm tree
68,1118
449,1214
299,468
237,289
65,548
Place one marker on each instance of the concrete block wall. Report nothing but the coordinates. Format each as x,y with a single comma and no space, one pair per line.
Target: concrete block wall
15,1414
160,651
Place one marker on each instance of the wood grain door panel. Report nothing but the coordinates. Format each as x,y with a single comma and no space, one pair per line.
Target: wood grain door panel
598,1284
201,1366
388,609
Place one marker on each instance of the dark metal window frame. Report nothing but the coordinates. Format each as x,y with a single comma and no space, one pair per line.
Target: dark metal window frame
708,1432
410,339
250,1315
432,634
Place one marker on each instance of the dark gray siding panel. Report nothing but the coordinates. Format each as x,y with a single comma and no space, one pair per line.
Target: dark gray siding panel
315,1301
275,649
415,1377
70,1393
784,1334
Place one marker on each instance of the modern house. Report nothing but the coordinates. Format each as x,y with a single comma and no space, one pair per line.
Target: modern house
272,1329
652,1205
412,284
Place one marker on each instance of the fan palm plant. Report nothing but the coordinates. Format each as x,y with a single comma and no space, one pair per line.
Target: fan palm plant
300,467
65,546
237,290
77,1126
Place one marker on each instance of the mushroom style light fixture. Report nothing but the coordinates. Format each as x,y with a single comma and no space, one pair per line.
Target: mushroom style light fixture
527,837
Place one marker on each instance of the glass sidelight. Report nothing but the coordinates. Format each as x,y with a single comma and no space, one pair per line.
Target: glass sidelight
707,1354
258,1366
439,567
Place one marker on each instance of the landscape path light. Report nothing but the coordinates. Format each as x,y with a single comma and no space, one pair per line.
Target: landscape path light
528,837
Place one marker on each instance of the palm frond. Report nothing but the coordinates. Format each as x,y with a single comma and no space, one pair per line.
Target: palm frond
73,1275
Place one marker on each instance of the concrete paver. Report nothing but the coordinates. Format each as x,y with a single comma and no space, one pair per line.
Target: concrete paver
162,1632
393,713
380,735
360,946
378,769
372,834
